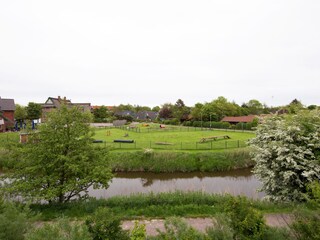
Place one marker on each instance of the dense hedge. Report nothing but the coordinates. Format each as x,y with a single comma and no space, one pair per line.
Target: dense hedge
221,125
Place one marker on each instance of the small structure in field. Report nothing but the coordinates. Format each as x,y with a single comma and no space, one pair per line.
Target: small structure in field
205,139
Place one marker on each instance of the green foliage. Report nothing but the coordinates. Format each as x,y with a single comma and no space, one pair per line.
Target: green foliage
59,162
221,229
100,114
138,232
63,229
104,225
169,161
287,153
177,229
247,222
254,107
20,113
306,226
166,111
314,193
192,204
34,111
14,221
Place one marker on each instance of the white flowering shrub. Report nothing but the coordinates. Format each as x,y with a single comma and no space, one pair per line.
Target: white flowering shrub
287,155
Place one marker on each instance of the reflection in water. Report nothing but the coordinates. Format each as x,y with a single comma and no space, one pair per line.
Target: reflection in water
237,182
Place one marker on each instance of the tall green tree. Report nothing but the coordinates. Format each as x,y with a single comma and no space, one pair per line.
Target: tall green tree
254,107
59,162
34,111
180,110
196,111
20,113
166,111
100,114
295,106
287,154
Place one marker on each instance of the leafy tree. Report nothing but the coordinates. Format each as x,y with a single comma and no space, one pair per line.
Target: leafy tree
294,106
180,111
196,111
124,107
287,154
156,109
139,108
312,107
254,107
34,111
166,111
100,114
59,162
20,113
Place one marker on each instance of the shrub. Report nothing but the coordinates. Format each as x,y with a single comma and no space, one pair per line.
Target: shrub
247,222
138,232
306,226
105,225
13,221
175,228
287,152
63,229
222,229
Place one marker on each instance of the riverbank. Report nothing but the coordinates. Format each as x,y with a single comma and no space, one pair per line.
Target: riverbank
149,160
150,206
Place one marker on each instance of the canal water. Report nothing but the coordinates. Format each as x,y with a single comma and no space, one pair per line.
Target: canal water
235,182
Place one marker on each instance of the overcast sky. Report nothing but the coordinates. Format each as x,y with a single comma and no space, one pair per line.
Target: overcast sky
152,52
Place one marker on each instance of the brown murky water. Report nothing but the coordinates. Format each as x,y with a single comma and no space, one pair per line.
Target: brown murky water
236,182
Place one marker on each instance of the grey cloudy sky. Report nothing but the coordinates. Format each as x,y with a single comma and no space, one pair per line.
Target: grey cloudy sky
152,52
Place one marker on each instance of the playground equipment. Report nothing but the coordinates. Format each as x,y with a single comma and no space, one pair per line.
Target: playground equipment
123,141
205,139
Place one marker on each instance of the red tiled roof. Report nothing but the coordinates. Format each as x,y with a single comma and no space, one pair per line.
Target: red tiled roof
97,107
244,119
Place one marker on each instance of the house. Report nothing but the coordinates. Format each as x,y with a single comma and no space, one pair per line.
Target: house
53,103
146,115
126,114
7,108
239,119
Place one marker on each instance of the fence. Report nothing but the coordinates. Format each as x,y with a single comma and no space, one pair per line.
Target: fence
227,144
176,129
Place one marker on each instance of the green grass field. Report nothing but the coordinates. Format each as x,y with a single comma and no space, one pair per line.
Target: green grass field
172,138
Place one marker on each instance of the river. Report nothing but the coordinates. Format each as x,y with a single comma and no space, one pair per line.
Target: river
235,182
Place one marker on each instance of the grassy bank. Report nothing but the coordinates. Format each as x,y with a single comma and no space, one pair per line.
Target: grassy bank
180,161
164,160
162,205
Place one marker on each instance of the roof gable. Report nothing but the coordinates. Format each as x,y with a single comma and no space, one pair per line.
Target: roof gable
7,104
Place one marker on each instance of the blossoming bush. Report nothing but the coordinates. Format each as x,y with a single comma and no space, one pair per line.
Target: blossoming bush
287,155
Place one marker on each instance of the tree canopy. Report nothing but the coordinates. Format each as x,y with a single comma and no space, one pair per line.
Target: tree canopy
287,154
34,111
59,162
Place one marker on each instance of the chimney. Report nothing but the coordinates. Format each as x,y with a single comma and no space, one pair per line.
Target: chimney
59,98
65,99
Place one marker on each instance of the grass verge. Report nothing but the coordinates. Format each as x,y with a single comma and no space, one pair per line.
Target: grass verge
162,205
175,161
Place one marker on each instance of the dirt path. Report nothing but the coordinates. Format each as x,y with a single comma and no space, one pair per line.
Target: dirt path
272,220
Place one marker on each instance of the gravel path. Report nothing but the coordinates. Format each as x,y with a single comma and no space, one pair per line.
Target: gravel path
272,220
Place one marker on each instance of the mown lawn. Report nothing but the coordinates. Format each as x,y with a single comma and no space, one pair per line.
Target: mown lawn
169,138
173,139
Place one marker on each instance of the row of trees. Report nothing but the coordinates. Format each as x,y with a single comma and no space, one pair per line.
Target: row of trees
30,112
212,111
